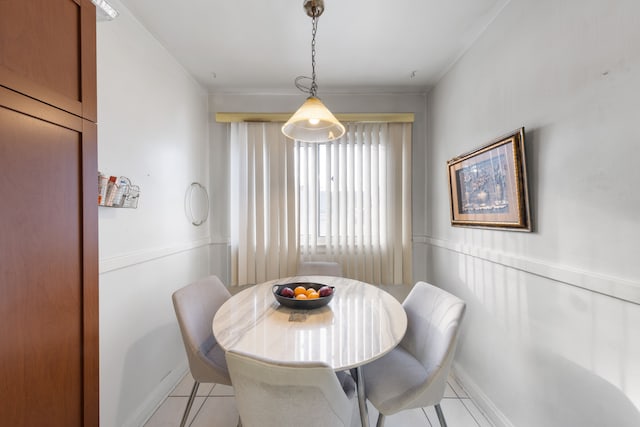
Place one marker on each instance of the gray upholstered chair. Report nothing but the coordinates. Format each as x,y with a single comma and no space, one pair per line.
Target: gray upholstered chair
273,394
195,305
319,268
414,374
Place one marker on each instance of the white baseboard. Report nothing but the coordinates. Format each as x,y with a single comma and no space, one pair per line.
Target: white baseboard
157,396
486,405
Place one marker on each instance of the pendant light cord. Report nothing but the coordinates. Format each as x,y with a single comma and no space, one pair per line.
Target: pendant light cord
313,89
314,85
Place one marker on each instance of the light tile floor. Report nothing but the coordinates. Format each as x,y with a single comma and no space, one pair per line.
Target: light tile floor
215,407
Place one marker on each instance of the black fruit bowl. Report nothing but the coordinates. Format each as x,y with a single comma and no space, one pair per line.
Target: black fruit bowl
302,304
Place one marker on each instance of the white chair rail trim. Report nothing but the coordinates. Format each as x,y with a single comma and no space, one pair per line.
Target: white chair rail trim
614,287
145,255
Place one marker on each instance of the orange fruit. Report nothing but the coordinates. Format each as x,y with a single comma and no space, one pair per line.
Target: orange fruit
299,290
301,296
310,291
313,295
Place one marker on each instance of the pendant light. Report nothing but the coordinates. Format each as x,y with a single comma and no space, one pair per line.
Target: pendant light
313,122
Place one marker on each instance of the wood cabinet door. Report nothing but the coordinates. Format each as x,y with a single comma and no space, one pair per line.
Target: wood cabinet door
48,266
48,52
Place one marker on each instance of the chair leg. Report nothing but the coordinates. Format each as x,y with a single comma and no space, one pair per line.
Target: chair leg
443,423
356,373
189,403
380,422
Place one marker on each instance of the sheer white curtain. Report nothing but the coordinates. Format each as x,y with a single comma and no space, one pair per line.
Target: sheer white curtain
354,201
348,200
263,226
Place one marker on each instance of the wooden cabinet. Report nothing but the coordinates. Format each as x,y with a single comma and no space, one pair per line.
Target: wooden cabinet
48,215
47,52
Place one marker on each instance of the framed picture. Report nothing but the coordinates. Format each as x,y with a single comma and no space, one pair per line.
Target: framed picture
488,186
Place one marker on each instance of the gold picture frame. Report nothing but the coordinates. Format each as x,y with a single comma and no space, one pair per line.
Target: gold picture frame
488,186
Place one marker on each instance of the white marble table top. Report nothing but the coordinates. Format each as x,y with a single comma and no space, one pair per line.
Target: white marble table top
360,324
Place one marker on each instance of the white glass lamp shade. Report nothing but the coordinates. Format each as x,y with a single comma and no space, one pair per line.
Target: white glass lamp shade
313,122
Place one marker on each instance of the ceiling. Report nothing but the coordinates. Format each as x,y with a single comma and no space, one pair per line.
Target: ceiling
263,45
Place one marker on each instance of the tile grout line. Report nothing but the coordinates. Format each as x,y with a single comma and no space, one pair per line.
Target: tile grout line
461,399
454,389
195,416
471,413
427,417
467,398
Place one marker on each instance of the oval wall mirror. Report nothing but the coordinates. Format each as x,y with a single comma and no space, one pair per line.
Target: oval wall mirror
197,204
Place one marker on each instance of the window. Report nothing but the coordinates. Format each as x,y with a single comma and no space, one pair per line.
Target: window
354,200
333,185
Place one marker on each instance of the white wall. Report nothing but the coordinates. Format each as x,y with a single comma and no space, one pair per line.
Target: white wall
152,128
552,333
337,103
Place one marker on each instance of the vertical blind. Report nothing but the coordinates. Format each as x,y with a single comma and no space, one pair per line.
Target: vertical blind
263,217
348,200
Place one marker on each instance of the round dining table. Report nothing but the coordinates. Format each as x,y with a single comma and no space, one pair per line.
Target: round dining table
360,324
